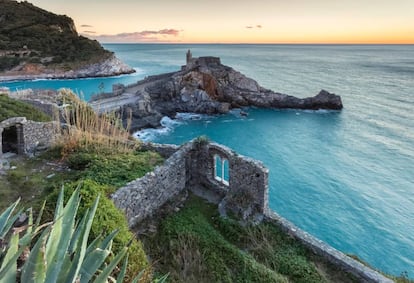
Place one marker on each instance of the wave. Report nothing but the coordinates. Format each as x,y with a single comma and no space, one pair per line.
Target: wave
167,126
183,116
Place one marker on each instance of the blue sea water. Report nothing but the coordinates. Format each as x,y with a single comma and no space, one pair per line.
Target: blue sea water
346,177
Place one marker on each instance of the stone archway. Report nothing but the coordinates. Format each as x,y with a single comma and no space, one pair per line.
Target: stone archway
9,140
11,135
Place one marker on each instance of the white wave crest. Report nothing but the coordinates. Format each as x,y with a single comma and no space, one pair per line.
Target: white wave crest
167,125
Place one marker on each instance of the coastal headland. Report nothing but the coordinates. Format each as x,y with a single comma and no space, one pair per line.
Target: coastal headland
37,44
203,85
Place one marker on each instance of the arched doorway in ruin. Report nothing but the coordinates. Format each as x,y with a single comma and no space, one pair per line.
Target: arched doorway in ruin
11,135
9,140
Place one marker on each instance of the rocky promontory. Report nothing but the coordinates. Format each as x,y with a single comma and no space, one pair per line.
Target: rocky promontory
203,85
37,44
111,66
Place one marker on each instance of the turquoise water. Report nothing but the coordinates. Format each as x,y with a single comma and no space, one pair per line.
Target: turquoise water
346,177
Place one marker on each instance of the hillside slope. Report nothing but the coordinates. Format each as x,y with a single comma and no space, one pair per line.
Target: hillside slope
35,43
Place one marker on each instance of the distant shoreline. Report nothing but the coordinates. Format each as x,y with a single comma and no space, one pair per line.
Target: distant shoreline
273,44
109,67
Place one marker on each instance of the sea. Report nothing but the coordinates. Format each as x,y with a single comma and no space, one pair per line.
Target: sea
346,177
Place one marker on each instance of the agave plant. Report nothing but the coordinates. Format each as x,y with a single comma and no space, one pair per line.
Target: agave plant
60,251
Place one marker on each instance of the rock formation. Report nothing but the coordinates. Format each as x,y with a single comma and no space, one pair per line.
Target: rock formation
205,86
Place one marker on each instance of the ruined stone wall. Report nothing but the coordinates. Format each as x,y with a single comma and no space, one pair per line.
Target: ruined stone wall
39,135
192,167
50,109
142,197
165,150
335,257
246,195
17,122
246,192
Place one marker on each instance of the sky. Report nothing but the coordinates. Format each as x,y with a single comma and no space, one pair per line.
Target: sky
242,21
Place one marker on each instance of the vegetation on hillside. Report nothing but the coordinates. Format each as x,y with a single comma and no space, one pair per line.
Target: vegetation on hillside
197,245
60,250
14,108
95,157
35,35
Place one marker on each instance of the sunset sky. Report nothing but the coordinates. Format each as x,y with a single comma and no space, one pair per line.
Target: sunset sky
243,21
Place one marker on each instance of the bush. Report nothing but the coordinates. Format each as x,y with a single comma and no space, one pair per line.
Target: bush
193,249
7,63
114,169
107,218
61,253
15,108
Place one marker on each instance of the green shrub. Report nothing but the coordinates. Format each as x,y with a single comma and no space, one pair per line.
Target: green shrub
114,169
14,108
61,253
107,218
49,34
192,248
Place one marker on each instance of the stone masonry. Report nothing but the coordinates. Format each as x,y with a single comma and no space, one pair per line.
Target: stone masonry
29,136
142,197
192,167
245,194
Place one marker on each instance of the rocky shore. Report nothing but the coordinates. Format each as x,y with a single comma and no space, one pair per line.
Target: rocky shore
203,85
111,66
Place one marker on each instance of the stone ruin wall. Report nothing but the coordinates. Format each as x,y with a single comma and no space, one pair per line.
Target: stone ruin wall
362,272
39,135
30,135
247,189
141,198
192,167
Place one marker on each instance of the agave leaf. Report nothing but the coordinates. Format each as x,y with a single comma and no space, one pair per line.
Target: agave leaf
25,240
162,279
96,258
60,236
107,242
34,269
59,204
39,216
80,249
122,273
110,267
9,223
92,263
4,217
76,236
12,260
11,272
94,245
138,277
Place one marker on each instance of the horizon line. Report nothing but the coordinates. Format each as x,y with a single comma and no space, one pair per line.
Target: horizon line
253,43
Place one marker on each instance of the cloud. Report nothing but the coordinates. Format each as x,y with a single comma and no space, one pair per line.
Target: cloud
89,31
140,36
86,26
254,27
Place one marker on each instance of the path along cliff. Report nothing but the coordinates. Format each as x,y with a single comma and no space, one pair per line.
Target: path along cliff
203,85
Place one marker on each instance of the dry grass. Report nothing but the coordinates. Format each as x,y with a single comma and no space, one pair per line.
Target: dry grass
83,128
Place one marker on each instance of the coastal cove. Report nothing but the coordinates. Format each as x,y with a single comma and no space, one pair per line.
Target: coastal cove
345,177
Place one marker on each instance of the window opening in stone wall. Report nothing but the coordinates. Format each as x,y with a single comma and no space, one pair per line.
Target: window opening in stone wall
221,170
9,140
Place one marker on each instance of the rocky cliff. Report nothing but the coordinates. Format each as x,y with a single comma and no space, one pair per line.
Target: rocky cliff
35,43
206,86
